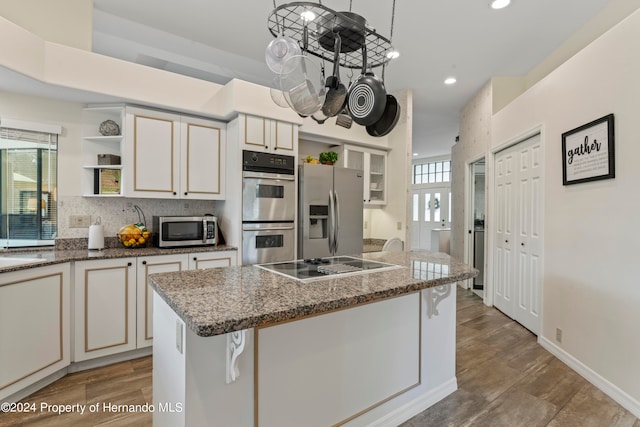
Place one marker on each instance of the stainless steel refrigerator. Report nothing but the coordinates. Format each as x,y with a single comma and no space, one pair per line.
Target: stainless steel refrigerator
330,211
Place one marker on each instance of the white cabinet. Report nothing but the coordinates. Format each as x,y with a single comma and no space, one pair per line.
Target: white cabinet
215,259
169,156
144,302
108,147
260,134
34,325
374,164
105,307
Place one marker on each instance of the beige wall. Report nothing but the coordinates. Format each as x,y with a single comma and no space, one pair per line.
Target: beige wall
68,22
589,289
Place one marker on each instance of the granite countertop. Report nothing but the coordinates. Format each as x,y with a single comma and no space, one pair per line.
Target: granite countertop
57,256
218,301
373,245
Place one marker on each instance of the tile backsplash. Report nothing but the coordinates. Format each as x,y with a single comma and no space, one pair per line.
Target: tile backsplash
116,212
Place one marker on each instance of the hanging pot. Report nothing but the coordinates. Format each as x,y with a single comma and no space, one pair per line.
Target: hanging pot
367,96
388,120
302,84
279,50
336,91
349,25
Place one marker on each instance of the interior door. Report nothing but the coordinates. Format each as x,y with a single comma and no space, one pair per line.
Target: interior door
518,232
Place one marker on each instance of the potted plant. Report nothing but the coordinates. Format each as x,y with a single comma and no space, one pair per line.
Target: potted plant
328,157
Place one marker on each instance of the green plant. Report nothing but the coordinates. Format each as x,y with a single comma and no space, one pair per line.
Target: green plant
328,157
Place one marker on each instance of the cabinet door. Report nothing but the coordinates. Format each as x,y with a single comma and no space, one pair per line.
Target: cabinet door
215,259
283,137
150,265
105,307
374,165
203,159
377,172
34,325
256,134
152,154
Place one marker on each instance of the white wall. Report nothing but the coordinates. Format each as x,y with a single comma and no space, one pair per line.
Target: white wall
591,244
589,290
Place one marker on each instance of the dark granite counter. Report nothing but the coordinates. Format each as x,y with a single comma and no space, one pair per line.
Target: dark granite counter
58,256
218,301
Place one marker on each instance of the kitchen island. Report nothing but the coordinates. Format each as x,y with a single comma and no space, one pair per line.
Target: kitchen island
242,346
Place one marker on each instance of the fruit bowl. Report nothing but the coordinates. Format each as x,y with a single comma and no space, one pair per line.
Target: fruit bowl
134,236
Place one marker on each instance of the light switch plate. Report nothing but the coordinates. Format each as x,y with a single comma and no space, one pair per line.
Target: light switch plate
79,221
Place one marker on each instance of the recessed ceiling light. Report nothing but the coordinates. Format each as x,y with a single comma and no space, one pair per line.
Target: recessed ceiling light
415,154
308,15
450,80
499,4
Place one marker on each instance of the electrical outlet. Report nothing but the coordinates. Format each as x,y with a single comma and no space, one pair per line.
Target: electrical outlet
399,225
558,334
79,221
366,224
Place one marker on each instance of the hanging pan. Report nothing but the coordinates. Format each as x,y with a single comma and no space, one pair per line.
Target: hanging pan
389,118
302,83
336,91
367,96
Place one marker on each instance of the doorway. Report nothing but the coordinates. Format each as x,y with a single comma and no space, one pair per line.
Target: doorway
476,217
517,231
431,217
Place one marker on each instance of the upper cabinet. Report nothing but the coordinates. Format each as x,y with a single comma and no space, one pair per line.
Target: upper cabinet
103,140
374,164
169,156
268,135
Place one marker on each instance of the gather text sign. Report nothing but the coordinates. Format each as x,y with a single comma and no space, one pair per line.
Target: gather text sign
588,152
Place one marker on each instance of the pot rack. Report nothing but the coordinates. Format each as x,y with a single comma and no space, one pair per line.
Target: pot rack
288,19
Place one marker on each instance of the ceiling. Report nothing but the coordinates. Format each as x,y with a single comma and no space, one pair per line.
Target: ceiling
221,40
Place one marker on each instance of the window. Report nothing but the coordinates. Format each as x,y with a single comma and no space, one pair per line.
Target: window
28,187
427,173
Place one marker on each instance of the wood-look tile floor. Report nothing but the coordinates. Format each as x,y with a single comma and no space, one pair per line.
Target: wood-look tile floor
504,379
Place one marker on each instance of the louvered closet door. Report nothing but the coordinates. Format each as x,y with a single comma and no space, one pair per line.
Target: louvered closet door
518,232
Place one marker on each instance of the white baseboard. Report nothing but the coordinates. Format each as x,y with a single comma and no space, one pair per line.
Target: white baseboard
629,403
417,405
109,360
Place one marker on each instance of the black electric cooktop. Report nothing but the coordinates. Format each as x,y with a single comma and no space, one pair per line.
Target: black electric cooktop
324,268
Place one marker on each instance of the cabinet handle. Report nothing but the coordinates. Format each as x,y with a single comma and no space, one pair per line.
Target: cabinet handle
522,244
266,147
185,193
506,241
195,258
275,148
129,264
144,262
175,194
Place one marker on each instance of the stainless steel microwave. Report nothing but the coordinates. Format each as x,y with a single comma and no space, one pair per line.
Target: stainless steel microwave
172,231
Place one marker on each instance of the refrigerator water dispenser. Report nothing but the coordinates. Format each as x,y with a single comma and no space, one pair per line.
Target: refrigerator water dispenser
318,217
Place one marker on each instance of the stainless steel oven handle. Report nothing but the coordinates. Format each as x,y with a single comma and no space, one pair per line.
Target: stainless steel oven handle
204,230
265,175
263,228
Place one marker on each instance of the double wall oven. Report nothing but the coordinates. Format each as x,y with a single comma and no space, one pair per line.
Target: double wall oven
268,207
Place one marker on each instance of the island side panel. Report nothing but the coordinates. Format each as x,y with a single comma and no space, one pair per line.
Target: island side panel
169,364
327,369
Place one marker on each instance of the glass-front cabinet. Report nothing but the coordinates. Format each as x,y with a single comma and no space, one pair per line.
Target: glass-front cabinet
374,165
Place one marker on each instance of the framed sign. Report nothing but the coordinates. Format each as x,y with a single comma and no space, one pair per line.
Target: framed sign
588,152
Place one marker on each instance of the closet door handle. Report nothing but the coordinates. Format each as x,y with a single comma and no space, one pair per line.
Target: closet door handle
522,244
506,241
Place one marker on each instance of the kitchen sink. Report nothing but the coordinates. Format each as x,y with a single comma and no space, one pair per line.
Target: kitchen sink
14,261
